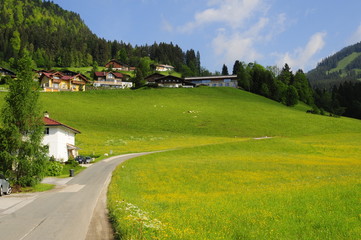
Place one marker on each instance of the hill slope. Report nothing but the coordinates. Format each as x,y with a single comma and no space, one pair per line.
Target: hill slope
143,120
344,65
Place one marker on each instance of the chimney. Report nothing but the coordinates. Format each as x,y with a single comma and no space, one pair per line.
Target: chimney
46,114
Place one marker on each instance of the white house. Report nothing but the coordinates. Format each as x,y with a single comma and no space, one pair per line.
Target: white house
164,68
111,80
60,138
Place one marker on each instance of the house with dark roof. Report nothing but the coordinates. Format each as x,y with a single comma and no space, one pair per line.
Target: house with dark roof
111,80
7,72
60,139
151,78
214,81
58,81
168,81
118,66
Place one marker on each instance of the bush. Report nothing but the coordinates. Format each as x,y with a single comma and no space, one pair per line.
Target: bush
72,162
54,168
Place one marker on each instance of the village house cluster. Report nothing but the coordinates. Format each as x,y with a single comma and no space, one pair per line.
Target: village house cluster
115,76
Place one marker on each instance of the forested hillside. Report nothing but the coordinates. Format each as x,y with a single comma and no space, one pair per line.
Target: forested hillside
56,37
343,66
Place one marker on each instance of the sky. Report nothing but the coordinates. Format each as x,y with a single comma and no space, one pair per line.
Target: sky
270,32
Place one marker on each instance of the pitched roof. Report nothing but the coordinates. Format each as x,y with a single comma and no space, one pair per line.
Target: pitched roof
153,77
169,77
62,76
7,71
103,74
116,61
164,65
211,77
51,122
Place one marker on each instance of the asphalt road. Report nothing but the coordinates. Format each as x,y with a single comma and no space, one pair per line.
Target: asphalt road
68,212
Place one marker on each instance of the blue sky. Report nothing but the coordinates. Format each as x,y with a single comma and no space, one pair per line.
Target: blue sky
270,32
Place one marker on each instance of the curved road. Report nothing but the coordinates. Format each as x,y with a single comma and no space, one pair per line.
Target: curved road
71,211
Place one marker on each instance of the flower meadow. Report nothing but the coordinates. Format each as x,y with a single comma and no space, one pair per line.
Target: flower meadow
280,188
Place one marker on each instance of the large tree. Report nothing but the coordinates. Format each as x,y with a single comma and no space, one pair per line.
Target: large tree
22,156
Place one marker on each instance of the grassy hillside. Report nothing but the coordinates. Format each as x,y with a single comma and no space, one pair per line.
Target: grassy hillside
142,120
220,183
342,64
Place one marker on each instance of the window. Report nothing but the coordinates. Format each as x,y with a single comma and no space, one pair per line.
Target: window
110,76
46,131
206,81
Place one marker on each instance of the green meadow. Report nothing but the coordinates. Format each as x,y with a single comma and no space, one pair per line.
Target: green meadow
220,178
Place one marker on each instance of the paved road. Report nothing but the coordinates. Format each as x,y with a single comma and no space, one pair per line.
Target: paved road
63,213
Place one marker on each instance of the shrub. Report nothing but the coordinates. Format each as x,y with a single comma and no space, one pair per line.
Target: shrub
72,162
54,168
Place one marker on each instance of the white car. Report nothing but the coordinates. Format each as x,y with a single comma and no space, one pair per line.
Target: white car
5,187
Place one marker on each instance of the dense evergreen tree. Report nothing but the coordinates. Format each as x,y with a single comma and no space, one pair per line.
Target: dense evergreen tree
244,78
21,154
291,96
236,67
285,87
303,87
225,70
286,75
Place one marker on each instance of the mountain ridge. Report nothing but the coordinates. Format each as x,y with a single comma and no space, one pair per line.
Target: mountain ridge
343,66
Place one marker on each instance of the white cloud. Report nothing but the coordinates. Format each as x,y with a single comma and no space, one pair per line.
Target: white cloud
166,25
232,45
356,36
243,26
228,48
302,58
233,13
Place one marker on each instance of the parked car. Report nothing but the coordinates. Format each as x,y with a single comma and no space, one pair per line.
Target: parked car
87,159
79,159
5,187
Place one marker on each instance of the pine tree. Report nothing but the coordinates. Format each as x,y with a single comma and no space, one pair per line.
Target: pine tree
22,155
286,75
236,67
225,70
